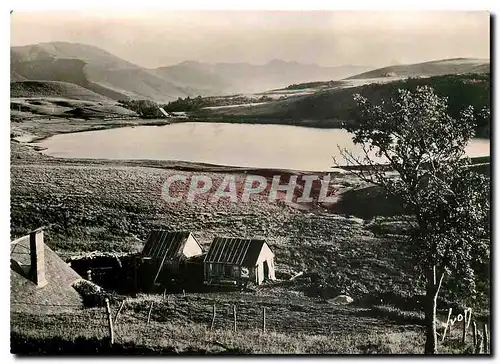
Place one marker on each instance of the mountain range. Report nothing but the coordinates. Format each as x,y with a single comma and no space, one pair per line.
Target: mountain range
106,74
428,69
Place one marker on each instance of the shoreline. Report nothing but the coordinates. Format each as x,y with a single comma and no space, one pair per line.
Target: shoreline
41,133
98,127
187,166
102,124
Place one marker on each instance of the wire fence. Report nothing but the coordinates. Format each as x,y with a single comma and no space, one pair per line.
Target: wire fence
129,319
58,320
132,320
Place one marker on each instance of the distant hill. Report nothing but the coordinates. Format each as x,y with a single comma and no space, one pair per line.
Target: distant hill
333,107
104,73
92,68
236,78
54,89
433,68
93,56
315,85
14,77
194,75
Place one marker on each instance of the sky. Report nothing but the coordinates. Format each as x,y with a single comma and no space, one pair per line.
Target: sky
328,38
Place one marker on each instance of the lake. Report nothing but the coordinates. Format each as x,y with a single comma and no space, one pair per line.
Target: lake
259,146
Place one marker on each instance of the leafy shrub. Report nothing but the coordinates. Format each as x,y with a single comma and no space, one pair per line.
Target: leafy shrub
92,295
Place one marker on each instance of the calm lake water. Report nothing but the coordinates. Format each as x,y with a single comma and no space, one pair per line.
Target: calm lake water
260,146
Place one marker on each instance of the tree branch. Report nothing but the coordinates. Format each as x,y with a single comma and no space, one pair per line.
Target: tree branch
440,283
434,275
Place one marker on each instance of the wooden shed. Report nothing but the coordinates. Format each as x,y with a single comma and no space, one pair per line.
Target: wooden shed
238,261
167,255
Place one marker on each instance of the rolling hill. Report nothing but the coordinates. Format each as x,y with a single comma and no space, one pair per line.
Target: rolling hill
433,68
54,89
102,72
194,75
333,107
108,75
92,68
48,99
234,78
62,50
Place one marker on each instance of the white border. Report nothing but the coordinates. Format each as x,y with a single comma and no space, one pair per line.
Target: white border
185,4
258,5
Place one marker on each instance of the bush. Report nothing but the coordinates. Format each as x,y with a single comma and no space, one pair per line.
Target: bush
92,295
146,109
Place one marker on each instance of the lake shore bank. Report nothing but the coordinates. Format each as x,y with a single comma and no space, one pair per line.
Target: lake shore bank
29,134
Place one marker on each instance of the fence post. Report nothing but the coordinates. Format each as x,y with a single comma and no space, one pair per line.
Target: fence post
464,330
149,313
263,319
119,310
89,275
136,278
447,324
479,347
474,333
213,318
110,321
234,316
485,340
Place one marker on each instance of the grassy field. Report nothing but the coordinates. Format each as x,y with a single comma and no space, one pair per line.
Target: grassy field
355,247
108,207
182,324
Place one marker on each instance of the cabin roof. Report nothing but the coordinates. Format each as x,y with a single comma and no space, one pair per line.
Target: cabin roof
237,251
25,295
163,244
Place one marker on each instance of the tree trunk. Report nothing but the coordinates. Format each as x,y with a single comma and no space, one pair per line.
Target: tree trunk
432,290
430,321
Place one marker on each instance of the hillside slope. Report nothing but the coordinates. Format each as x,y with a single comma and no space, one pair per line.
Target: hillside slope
54,89
111,76
194,75
92,68
433,68
333,107
63,50
234,78
49,99
63,70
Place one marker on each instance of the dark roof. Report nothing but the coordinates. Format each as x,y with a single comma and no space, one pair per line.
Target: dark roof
235,251
57,294
165,245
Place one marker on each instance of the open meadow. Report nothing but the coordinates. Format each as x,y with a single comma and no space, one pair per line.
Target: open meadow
354,247
341,275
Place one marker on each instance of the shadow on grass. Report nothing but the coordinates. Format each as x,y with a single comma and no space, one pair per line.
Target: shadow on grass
395,315
368,202
24,346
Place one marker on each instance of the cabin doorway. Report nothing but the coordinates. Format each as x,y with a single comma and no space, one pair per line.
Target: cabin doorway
266,270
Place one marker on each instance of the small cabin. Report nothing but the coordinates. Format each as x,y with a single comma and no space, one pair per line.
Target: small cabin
167,256
238,261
